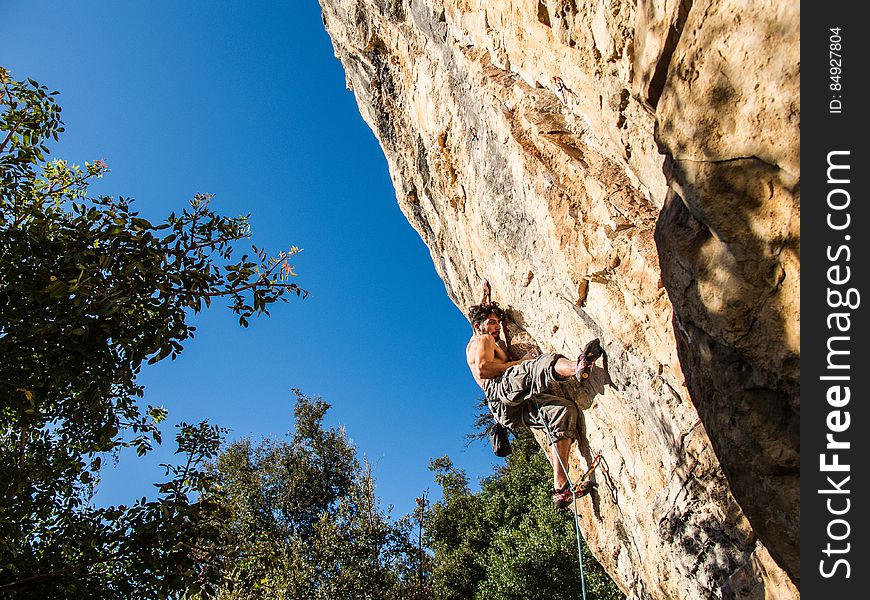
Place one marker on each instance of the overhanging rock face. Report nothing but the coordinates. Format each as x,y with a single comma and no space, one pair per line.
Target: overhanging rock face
627,171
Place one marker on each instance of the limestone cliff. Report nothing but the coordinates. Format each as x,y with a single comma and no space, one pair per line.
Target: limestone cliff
628,171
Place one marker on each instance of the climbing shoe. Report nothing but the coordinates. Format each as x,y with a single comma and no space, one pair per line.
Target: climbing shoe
591,353
562,498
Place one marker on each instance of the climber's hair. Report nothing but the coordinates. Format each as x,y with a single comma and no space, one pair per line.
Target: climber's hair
478,313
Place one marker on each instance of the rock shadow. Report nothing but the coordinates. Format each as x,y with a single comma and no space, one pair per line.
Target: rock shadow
729,246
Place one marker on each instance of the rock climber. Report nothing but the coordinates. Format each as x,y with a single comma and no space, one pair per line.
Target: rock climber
511,386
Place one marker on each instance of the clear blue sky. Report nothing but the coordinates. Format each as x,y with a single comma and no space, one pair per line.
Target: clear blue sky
247,101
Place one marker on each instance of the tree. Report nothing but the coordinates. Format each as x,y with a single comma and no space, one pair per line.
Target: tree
306,521
89,291
507,541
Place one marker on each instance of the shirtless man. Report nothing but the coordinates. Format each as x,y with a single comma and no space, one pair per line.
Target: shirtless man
512,385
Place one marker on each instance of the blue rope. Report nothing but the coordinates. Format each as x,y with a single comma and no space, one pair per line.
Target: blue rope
573,495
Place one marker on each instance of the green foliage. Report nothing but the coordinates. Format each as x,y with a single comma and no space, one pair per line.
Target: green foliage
89,291
306,521
507,541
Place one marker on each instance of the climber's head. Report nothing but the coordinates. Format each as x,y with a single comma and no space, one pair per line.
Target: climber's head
486,318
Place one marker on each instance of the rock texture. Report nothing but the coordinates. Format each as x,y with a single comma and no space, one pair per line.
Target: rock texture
627,171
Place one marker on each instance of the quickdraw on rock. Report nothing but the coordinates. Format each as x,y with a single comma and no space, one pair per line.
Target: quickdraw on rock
592,465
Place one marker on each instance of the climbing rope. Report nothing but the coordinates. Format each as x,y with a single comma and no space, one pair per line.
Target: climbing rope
594,464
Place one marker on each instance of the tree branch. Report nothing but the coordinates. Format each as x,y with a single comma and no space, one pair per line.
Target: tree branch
21,449
9,136
57,574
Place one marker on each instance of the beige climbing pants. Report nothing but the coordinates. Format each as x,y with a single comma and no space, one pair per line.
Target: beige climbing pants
511,398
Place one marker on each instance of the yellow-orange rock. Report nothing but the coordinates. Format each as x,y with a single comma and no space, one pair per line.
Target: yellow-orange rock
627,171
